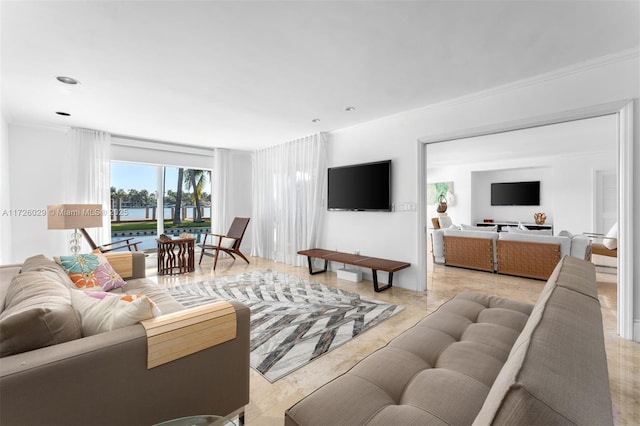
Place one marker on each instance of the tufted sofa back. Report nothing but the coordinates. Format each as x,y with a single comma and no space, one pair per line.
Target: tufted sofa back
440,370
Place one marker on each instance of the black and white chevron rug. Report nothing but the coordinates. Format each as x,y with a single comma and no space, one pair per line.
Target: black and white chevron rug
293,320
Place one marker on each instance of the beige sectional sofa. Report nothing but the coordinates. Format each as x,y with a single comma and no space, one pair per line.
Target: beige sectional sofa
50,374
482,360
531,254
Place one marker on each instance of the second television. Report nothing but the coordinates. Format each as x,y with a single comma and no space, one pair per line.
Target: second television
515,193
360,187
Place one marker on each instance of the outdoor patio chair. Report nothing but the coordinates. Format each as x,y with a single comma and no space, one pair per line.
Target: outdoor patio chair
105,248
229,243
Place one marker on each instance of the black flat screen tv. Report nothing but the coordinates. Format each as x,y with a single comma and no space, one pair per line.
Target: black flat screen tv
360,187
515,193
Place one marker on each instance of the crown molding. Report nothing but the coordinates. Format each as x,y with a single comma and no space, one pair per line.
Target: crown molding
53,127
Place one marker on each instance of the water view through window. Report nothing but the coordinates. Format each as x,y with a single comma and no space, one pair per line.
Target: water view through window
185,205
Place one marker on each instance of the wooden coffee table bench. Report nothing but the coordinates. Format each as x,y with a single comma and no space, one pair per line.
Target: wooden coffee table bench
374,263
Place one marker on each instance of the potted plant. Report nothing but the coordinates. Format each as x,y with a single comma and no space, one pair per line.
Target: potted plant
441,196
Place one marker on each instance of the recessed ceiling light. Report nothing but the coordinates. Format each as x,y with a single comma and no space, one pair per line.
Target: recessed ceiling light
349,108
65,114
67,80
315,120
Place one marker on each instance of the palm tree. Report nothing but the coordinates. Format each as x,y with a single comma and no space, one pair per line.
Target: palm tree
176,212
195,179
144,197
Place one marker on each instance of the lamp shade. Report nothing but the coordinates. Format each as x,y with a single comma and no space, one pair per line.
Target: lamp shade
74,216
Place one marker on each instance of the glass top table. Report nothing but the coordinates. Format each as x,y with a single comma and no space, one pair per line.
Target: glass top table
199,420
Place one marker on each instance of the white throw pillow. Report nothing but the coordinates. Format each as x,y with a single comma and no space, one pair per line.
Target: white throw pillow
227,243
109,313
444,221
492,228
610,240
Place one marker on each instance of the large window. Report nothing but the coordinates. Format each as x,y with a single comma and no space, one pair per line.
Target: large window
184,207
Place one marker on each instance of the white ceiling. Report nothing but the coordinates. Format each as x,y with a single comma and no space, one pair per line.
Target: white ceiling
249,74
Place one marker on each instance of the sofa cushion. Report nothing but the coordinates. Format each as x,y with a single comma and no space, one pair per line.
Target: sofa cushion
610,240
444,221
42,263
580,247
492,228
557,370
518,230
472,234
37,313
91,271
99,315
437,245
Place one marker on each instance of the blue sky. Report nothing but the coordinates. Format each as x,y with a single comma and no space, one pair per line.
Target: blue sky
128,176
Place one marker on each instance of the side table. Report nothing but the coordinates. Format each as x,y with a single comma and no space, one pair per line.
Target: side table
175,256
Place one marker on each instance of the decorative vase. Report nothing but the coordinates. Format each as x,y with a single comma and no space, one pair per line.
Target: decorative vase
540,218
442,204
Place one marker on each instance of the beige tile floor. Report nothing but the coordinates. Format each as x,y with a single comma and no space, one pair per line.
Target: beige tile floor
270,400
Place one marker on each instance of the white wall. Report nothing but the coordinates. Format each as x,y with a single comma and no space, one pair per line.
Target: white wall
5,193
481,207
388,235
38,159
460,175
396,235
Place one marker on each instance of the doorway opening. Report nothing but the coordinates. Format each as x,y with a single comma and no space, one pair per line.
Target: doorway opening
623,111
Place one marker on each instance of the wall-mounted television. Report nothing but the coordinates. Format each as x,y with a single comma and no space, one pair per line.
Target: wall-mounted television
360,187
515,193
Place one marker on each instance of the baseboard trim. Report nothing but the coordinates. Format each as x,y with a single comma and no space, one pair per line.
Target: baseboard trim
636,330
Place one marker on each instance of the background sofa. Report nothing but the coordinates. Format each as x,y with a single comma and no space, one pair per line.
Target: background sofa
103,378
531,254
483,360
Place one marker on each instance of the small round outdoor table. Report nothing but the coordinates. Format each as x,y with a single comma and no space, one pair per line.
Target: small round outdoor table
175,256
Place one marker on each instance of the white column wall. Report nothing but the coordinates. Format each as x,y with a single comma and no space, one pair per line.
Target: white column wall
5,193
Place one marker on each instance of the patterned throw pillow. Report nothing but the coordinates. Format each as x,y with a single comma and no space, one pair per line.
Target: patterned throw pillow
102,312
91,272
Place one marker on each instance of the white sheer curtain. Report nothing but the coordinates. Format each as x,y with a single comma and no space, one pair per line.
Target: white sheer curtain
89,176
288,192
